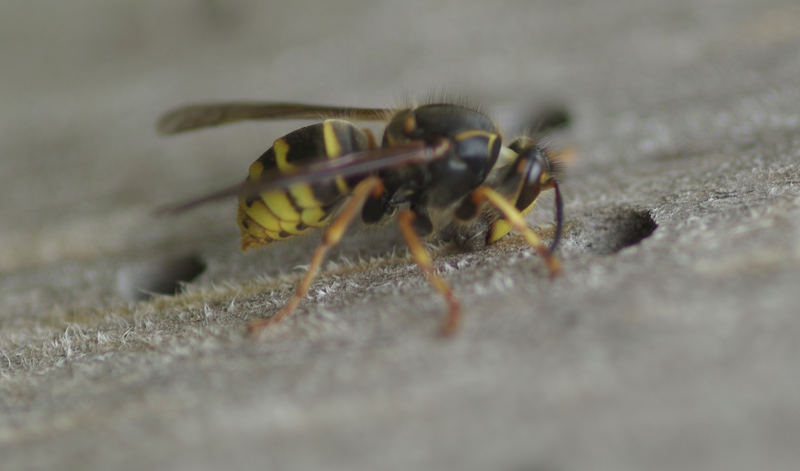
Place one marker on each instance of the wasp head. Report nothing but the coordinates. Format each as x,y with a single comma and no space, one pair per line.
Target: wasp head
538,172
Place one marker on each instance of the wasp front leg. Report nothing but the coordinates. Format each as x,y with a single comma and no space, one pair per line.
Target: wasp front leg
517,221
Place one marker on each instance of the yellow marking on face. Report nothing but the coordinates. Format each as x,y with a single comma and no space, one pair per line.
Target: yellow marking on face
530,207
303,195
278,202
501,227
256,169
281,149
506,157
332,146
498,230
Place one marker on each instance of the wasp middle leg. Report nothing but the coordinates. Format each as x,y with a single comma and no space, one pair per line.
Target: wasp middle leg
405,219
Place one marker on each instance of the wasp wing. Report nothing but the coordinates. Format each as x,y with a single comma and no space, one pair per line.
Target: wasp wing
348,165
204,115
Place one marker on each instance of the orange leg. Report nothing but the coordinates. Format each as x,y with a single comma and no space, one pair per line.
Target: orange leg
517,221
332,235
405,220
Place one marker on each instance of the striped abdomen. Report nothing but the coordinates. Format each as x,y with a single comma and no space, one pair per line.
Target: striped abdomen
280,214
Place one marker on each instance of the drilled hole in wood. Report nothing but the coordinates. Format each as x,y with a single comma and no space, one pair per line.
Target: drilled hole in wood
167,275
617,228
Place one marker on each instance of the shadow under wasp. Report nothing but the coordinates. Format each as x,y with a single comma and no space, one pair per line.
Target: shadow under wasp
441,169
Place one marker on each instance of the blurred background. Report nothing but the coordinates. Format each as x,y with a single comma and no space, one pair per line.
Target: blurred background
83,83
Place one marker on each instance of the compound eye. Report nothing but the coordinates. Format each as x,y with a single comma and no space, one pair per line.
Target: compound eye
530,166
533,164
541,159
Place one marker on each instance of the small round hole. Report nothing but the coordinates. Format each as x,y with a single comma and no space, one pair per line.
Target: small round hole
612,230
142,280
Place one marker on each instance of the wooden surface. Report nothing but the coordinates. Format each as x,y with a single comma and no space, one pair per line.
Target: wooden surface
678,352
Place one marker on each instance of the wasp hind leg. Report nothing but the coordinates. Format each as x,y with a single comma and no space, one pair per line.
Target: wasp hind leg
405,219
517,221
332,235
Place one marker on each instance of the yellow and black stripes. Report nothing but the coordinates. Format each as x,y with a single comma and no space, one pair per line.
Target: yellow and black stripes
332,235
440,167
283,213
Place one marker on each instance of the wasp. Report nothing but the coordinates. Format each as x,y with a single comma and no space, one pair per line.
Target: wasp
440,170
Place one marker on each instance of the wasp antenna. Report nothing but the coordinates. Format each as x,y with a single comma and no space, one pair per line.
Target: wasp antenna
559,208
